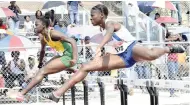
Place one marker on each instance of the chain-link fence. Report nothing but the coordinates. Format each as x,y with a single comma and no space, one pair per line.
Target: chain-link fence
17,69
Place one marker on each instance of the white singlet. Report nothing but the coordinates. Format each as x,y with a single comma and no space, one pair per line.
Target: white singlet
121,34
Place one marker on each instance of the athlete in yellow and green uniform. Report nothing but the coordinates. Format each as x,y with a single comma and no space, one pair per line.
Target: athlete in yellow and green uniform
65,46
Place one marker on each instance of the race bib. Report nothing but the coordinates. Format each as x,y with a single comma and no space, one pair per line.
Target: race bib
117,49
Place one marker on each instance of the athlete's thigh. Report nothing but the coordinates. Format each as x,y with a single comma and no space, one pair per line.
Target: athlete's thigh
105,63
53,66
55,57
140,52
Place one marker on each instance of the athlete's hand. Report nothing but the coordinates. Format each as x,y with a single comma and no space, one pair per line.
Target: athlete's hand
73,62
98,52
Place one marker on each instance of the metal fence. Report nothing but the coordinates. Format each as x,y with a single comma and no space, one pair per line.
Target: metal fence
168,67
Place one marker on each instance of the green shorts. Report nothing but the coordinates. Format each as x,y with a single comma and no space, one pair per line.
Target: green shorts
65,59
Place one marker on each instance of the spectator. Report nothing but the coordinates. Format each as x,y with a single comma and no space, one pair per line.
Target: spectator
43,63
142,21
31,70
38,14
2,26
13,21
165,32
157,15
2,60
132,8
52,17
172,63
88,49
28,25
88,56
177,4
183,65
154,29
48,16
2,81
5,72
59,27
17,67
130,13
44,60
182,60
72,7
143,72
2,69
2,84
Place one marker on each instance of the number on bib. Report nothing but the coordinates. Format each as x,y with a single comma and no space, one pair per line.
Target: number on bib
118,49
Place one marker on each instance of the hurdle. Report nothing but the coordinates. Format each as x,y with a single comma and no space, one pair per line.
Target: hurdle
152,92
123,84
63,81
85,86
102,91
123,92
151,85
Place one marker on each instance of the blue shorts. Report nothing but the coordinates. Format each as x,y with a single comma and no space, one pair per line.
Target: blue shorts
127,55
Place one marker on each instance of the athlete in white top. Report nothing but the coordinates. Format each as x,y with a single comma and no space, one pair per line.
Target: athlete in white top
120,36
126,51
